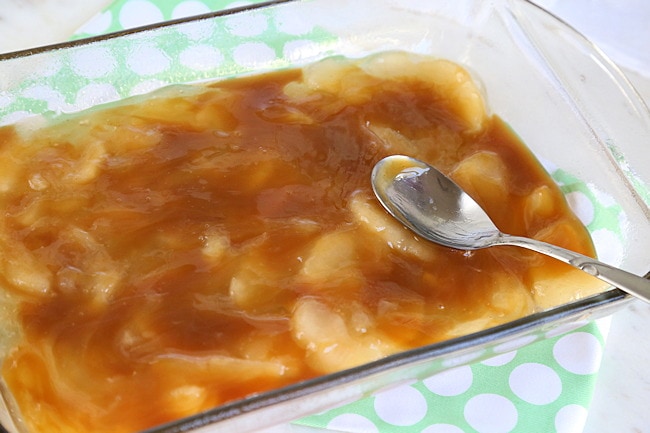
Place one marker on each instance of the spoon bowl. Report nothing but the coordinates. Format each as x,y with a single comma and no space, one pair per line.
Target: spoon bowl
436,208
431,204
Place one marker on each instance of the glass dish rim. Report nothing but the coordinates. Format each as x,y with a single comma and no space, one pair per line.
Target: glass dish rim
141,29
599,305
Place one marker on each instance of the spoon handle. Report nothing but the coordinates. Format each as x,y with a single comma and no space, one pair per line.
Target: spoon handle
626,281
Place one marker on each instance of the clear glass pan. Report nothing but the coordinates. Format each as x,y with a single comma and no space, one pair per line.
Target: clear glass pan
566,100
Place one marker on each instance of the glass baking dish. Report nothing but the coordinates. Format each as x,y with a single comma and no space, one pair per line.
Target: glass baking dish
563,97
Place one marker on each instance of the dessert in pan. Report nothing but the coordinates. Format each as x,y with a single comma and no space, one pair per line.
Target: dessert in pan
182,249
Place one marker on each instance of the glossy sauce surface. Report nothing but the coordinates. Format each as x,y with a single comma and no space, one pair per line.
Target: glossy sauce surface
193,247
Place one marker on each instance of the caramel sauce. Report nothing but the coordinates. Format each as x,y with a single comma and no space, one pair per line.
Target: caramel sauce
201,244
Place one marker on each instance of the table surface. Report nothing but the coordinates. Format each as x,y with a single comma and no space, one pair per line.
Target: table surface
618,27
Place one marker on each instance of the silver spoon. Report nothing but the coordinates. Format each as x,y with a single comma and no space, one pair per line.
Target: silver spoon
436,208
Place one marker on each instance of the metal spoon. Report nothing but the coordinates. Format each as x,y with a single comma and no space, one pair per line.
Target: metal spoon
433,206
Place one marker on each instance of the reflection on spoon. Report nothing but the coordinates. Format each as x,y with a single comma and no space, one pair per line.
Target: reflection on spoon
433,206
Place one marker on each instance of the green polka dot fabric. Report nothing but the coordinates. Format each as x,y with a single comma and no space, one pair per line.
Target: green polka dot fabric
127,14
543,387
121,67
